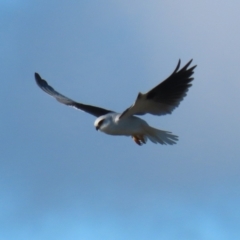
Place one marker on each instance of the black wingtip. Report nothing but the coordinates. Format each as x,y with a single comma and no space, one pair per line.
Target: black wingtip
40,82
187,65
37,77
184,68
178,65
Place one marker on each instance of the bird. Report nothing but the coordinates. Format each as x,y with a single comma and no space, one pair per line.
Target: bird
160,100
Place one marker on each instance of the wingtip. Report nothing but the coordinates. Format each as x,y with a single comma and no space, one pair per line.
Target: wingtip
187,65
37,76
40,82
177,67
190,62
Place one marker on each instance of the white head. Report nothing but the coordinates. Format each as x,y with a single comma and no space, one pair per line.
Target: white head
103,122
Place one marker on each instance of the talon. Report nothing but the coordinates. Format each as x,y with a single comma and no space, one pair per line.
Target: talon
139,140
143,140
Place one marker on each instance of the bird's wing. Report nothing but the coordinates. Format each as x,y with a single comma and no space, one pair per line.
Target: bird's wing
96,111
166,96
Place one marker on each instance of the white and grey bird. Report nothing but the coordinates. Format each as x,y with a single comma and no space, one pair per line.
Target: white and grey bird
160,100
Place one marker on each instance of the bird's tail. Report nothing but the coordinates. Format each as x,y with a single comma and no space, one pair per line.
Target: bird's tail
160,136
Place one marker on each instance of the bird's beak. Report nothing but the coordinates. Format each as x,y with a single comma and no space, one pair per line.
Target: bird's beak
97,127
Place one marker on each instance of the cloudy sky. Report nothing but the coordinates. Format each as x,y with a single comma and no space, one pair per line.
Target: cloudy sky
60,179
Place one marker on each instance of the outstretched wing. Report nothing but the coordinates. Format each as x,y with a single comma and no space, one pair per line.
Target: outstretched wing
166,96
96,111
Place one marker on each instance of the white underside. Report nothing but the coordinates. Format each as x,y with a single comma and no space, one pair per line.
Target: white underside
134,126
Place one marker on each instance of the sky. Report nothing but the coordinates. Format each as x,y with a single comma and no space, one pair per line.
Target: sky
60,178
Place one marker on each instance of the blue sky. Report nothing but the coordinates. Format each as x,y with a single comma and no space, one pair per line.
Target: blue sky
60,179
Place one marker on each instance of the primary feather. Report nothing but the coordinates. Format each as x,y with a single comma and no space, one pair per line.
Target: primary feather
166,96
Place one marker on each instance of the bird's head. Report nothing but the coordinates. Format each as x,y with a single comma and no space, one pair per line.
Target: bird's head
103,122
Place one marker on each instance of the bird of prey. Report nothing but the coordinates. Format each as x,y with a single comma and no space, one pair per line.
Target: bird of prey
160,100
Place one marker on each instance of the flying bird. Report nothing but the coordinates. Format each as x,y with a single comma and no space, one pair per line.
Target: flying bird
160,100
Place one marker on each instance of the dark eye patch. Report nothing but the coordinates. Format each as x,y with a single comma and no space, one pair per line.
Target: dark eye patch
100,122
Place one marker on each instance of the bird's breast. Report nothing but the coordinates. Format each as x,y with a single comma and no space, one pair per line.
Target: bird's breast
127,126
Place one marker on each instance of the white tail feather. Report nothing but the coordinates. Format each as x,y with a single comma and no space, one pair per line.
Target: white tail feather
160,136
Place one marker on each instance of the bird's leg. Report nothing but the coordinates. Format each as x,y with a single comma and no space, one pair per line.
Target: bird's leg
136,140
139,139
